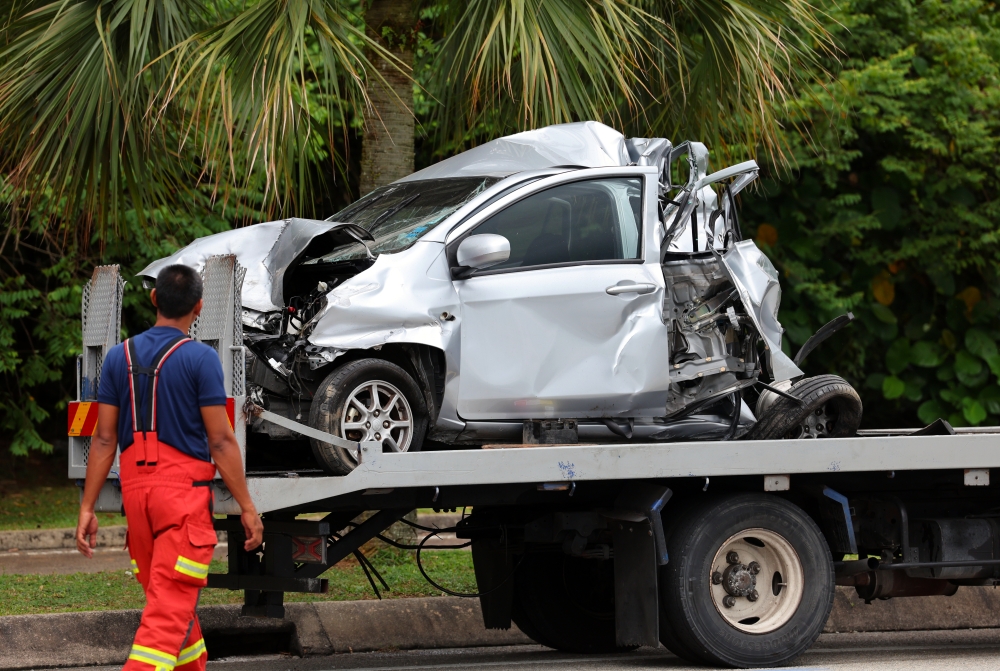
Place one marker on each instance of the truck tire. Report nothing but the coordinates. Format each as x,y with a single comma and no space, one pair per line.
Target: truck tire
566,603
830,408
368,399
749,584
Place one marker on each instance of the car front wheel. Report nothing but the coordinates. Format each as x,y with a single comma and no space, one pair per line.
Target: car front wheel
369,400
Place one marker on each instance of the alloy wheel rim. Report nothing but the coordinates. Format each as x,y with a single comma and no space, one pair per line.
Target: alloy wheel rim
817,424
377,411
756,581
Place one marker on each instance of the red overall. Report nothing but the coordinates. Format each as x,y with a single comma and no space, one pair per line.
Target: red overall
168,504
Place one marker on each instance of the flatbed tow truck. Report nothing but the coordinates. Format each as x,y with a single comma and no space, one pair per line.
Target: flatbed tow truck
726,552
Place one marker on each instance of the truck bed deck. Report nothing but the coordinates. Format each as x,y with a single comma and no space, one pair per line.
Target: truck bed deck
877,451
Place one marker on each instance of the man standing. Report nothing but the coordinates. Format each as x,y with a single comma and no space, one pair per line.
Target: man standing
162,399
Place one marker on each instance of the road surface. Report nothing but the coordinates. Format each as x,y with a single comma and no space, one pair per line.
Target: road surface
965,650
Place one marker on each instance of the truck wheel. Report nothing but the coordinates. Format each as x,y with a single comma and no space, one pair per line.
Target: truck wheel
566,603
749,584
830,408
367,400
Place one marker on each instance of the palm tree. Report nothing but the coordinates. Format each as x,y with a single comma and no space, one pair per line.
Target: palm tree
111,105
387,149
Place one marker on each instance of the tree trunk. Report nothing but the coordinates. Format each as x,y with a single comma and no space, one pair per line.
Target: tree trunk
387,146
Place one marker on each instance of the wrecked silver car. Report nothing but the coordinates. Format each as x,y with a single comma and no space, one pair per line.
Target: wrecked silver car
559,285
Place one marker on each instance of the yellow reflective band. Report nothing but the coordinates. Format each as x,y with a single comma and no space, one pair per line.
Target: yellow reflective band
158,658
135,568
192,653
191,568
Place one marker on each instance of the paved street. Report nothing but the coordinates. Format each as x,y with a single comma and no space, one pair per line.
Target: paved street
966,650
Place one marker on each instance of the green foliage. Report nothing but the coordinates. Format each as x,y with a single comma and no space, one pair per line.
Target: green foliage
40,312
892,212
705,69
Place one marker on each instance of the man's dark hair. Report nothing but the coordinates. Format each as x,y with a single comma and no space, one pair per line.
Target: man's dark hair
178,290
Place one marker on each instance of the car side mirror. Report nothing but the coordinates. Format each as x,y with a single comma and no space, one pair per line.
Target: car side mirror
478,252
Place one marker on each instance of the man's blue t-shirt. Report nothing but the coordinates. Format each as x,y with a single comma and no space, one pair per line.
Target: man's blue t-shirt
191,378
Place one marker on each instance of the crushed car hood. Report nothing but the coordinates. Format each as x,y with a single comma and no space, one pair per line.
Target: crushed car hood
265,250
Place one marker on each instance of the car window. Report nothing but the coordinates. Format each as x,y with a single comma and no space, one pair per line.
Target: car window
400,214
593,220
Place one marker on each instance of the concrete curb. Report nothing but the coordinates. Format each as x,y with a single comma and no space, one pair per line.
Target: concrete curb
969,608
323,628
97,638
114,536
64,539
57,539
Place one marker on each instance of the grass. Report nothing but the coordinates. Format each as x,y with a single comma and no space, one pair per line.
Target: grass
114,590
36,494
44,507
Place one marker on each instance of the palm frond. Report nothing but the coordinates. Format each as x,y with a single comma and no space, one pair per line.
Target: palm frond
545,61
265,82
74,86
707,69
732,65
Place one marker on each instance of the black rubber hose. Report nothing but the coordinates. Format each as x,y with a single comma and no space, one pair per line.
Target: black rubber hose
737,408
464,595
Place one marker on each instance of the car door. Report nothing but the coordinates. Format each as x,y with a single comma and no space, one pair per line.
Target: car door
570,325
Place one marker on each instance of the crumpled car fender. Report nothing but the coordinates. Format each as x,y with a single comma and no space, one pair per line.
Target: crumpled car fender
406,298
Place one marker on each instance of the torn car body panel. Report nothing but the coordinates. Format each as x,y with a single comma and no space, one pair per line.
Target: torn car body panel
621,296
266,250
756,279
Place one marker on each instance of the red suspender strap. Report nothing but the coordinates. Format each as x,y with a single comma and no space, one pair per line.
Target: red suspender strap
156,377
144,419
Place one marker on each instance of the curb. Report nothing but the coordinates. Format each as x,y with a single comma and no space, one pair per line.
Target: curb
57,539
324,628
969,608
64,539
114,536
104,638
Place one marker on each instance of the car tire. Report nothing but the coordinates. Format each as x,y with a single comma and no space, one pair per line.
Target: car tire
343,406
778,608
829,408
566,603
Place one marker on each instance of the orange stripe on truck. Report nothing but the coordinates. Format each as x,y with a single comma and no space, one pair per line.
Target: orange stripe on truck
81,420
231,412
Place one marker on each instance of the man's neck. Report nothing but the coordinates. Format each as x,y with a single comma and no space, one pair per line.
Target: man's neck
182,324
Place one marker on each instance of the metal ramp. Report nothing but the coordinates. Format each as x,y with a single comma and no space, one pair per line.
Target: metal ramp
220,326
101,314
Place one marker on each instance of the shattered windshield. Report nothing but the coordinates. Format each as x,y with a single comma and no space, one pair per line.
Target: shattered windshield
400,214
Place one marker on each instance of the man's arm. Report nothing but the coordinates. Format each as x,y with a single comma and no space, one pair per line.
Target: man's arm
226,454
102,455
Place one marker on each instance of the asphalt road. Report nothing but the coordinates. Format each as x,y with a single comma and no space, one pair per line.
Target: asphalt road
966,650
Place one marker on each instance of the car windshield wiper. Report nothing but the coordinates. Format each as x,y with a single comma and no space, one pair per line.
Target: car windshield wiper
392,210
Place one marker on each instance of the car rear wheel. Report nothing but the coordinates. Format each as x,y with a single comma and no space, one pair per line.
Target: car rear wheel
829,407
367,400
749,583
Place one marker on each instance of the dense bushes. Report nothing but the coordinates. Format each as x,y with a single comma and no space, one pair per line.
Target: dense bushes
895,216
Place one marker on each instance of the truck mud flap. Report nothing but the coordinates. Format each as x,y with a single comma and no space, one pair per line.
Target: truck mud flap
640,550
